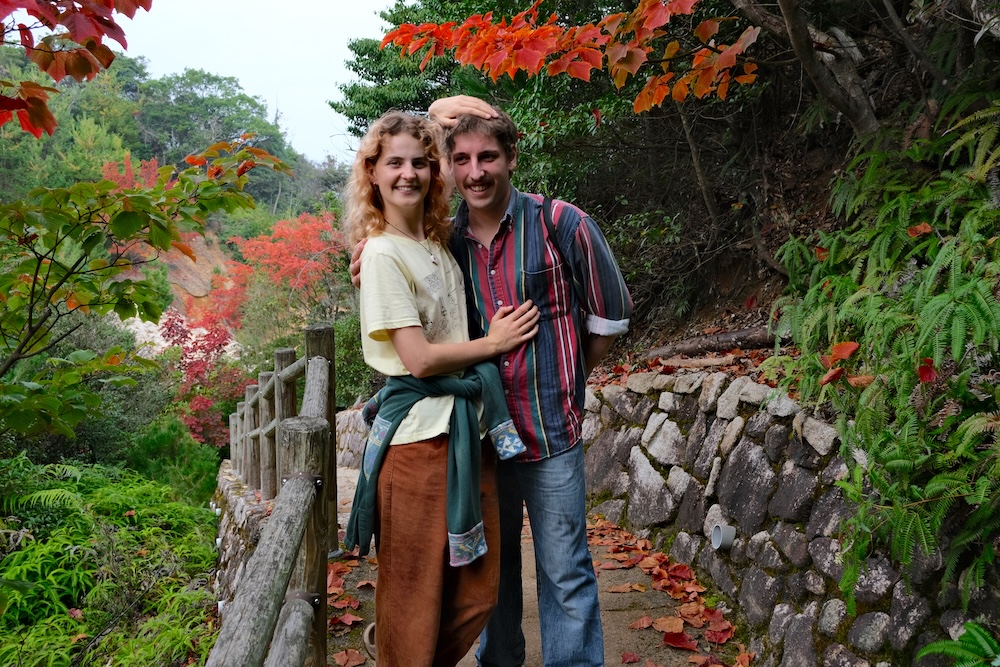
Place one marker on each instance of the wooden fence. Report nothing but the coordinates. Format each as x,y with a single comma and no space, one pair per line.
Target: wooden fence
279,609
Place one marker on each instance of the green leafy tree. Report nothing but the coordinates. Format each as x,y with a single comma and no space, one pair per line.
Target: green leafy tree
75,249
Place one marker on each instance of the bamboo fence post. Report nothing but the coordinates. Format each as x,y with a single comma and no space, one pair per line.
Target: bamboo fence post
320,341
284,396
268,467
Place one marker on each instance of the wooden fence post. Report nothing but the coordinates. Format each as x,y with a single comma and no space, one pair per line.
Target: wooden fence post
249,625
268,467
302,451
320,342
252,476
239,465
284,395
234,434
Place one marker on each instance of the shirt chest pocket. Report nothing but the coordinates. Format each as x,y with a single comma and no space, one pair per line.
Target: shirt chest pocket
549,289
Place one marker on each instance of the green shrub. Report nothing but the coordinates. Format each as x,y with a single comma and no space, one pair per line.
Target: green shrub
165,451
119,579
912,282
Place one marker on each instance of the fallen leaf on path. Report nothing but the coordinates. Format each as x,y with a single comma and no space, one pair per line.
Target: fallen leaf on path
366,582
720,636
672,624
744,657
629,658
345,619
680,640
642,623
628,588
693,614
345,602
349,658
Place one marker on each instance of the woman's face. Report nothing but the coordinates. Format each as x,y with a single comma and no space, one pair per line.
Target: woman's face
402,175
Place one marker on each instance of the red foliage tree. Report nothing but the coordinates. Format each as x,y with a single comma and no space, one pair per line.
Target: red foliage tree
623,43
124,174
210,384
304,255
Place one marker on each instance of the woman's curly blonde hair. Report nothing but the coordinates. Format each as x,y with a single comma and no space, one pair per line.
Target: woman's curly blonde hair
364,217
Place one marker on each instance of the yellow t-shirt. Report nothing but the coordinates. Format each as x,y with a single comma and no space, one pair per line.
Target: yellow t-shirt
402,287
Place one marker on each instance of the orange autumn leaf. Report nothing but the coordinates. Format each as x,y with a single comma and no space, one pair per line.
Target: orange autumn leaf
195,160
75,638
831,376
843,350
186,249
669,624
641,624
822,253
629,658
919,230
860,381
347,618
345,602
720,632
349,658
680,571
365,582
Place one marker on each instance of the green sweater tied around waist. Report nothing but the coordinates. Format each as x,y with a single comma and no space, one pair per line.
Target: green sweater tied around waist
466,539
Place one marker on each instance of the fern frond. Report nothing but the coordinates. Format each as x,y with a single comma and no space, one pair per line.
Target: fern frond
47,498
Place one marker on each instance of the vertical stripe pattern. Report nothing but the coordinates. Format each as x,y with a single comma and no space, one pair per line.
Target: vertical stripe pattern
544,381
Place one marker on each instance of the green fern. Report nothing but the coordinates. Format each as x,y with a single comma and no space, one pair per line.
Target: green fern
980,140
974,647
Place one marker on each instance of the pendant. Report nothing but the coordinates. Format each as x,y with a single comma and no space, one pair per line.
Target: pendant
434,259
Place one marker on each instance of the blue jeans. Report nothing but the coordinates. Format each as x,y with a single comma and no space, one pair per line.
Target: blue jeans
554,492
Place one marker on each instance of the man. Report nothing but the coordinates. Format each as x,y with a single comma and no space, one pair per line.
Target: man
507,256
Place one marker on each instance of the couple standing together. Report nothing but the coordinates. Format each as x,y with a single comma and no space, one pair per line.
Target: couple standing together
487,327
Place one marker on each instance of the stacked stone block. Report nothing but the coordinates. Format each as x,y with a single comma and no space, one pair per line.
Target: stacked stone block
671,456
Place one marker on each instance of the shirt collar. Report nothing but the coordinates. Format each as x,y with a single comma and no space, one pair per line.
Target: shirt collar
462,214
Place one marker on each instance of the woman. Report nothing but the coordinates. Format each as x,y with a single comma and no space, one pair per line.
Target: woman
428,492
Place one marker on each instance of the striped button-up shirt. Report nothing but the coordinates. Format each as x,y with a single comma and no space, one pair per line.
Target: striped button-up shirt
544,381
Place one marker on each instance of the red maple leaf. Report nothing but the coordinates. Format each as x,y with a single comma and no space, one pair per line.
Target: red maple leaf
628,658
680,640
347,618
831,375
926,371
843,350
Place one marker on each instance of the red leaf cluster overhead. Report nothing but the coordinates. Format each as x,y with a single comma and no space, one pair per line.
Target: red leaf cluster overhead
72,46
621,43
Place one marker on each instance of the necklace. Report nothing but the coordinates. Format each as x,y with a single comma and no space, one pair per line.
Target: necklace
434,259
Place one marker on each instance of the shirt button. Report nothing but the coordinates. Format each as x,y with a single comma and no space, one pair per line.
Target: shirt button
493,272
506,363
499,302
506,391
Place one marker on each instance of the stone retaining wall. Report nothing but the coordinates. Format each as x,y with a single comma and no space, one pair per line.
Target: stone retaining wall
672,456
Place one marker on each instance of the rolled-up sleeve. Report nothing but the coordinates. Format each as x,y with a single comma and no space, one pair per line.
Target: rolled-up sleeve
609,304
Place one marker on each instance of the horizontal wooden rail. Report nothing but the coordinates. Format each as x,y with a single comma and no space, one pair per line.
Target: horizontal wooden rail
280,602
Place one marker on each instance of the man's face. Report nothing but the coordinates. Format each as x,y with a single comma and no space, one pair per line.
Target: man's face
482,173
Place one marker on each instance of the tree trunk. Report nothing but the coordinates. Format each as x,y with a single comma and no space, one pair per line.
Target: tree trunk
752,338
833,71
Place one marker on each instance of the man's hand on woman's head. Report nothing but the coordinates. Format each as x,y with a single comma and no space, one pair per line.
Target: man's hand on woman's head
447,109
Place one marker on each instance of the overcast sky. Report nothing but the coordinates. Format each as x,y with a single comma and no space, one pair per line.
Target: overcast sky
290,53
